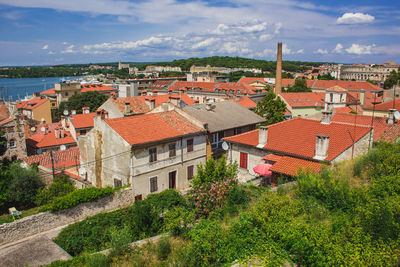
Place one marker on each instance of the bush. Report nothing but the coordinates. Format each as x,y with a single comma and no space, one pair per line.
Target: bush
166,199
177,220
77,197
163,248
60,187
23,186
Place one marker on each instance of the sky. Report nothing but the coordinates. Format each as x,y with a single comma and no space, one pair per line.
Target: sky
48,32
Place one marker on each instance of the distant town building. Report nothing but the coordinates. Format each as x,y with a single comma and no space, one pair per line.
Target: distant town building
37,109
123,65
208,68
152,68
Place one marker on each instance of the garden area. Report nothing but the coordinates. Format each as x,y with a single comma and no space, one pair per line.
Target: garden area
348,215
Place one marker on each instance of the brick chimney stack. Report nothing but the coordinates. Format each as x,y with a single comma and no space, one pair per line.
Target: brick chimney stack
278,77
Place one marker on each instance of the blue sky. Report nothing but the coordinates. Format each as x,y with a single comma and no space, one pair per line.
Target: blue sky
38,32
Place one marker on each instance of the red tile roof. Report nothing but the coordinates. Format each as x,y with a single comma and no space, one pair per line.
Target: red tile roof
298,136
32,103
343,110
83,120
237,88
49,139
51,91
247,80
6,121
152,127
291,166
385,106
272,157
380,125
161,84
96,87
138,103
308,99
62,159
84,88
246,102
323,84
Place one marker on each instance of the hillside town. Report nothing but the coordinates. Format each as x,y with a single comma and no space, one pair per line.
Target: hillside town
152,133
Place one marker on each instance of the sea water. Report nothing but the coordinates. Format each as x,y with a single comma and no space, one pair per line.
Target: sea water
18,88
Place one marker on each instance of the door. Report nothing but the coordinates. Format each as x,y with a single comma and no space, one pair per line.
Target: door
172,179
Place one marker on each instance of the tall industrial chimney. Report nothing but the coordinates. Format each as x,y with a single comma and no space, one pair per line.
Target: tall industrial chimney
278,77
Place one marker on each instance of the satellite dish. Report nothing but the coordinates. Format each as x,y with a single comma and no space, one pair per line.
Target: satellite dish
42,129
42,119
65,112
63,147
225,146
33,129
82,171
397,115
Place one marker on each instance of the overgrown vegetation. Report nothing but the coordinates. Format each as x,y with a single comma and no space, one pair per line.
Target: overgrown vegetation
271,108
348,216
77,197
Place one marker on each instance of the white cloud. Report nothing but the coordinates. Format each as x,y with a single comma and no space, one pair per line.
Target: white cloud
360,49
338,48
300,51
355,18
45,47
51,53
69,49
265,37
321,51
286,50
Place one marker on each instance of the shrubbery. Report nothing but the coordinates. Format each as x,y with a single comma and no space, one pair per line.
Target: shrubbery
61,186
109,229
77,197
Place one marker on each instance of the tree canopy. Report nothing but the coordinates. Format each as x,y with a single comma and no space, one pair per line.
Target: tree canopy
300,85
391,80
271,108
93,100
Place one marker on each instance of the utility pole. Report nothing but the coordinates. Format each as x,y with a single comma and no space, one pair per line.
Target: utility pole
52,164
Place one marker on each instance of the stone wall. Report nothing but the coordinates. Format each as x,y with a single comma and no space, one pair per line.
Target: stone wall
46,221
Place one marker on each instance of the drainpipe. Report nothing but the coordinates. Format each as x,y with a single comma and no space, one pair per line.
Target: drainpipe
181,150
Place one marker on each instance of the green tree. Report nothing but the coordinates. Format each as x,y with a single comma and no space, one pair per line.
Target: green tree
300,85
214,171
391,80
271,108
93,100
24,186
3,143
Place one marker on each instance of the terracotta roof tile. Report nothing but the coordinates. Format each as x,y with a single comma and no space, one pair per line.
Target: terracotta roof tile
83,120
272,157
32,103
152,127
49,139
385,106
308,99
96,87
235,88
62,159
51,91
246,102
4,113
291,166
380,125
298,136
6,121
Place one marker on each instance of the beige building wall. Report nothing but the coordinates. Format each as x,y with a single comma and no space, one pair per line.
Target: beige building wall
42,111
360,148
377,113
113,111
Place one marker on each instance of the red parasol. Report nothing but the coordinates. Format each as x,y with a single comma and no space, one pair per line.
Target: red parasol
263,169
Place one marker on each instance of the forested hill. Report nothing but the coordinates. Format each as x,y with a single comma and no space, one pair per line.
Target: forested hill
238,62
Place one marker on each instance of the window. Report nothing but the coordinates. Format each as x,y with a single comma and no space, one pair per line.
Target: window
153,184
190,172
66,94
82,132
243,160
189,144
153,154
138,197
117,183
172,150
237,131
13,143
